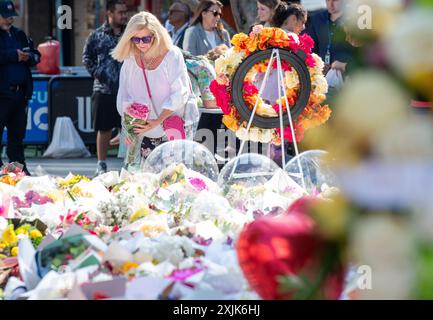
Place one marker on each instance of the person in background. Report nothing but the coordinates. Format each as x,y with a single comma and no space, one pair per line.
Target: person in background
179,17
206,31
105,71
291,18
201,73
17,56
147,52
265,11
205,34
329,37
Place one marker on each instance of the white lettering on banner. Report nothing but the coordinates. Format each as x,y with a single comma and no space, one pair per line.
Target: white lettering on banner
85,121
40,96
29,119
36,119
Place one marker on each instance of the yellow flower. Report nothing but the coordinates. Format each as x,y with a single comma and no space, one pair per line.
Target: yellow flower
9,236
252,44
23,230
2,246
127,266
35,234
230,122
14,251
140,213
239,40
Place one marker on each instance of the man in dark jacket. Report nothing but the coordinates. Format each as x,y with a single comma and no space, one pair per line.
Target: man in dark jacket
105,70
329,36
17,56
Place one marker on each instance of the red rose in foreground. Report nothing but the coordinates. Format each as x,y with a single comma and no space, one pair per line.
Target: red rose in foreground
221,96
287,246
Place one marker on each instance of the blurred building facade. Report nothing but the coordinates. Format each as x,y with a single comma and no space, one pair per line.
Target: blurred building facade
39,18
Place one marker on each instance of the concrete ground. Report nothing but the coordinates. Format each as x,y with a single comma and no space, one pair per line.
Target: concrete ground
62,167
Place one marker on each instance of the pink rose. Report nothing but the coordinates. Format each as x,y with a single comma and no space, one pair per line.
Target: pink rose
138,111
256,30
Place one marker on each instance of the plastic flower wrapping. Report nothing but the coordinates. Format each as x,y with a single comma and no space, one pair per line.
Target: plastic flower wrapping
133,114
166,235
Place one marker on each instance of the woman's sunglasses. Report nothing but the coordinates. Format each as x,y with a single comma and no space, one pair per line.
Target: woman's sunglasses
145,40
215,13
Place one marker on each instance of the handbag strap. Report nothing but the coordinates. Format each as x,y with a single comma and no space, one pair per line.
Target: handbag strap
147,85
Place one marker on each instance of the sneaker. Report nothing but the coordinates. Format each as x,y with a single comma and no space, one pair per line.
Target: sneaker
101,169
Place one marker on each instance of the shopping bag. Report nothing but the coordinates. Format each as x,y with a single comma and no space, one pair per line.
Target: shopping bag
334,79
66,142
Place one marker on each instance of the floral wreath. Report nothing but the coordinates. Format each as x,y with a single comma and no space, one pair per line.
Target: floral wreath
261,39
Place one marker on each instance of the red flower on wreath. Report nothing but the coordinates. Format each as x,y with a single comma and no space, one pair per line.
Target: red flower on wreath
250,89
306,43
221,96
299,132
309,60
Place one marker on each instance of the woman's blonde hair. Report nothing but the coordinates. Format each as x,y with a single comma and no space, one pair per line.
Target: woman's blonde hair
161,42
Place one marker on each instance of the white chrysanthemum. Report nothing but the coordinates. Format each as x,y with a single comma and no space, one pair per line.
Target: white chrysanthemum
320,85
229,61
242,133
319,65
266,136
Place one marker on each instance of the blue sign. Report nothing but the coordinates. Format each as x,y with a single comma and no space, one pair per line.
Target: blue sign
37,117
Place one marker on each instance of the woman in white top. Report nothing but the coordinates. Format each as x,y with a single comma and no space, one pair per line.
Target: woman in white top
147,45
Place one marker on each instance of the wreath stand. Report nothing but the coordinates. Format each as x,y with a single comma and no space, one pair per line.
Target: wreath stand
305,92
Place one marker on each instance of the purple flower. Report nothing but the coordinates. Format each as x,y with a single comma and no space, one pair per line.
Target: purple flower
183,274
201,241
198,184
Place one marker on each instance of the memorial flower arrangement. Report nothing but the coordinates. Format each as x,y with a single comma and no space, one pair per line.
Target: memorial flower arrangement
133,114
174,233
245,45
11,173
10,235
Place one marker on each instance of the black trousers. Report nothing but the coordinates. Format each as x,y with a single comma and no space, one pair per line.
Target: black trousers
13,116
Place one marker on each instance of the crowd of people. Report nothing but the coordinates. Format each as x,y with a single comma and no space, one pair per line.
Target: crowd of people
163,66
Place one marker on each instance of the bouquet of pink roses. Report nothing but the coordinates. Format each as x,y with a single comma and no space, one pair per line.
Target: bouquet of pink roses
135,113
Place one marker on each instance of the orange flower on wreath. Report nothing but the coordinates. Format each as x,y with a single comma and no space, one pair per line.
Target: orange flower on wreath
280,39
230,121
252,44
239,41
315,116
266,35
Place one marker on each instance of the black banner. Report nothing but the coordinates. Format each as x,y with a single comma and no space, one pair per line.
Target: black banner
71,97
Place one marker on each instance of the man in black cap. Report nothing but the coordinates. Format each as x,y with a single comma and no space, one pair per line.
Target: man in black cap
17,56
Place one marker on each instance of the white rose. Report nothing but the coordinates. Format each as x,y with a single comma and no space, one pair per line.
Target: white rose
292,79
265,136
242,134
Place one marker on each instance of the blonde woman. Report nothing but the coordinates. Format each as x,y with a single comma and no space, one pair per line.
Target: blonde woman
147,51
